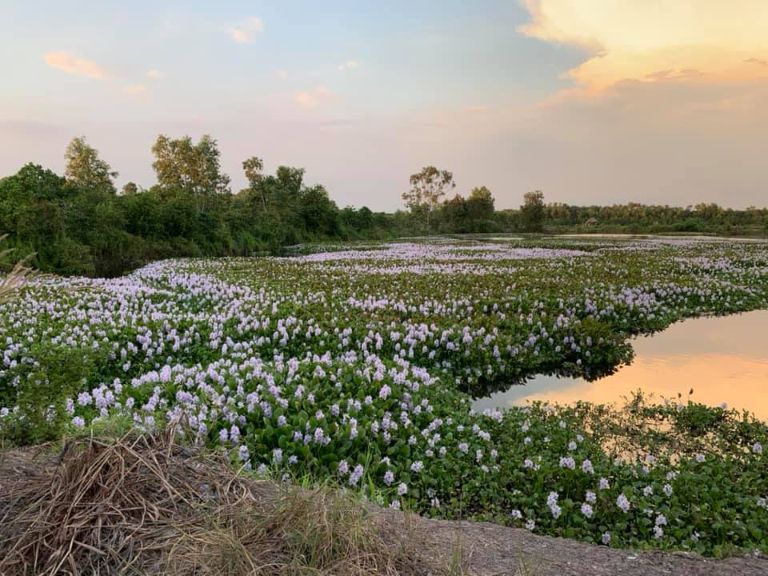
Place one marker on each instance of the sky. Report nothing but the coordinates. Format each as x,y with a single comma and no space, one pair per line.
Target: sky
590,101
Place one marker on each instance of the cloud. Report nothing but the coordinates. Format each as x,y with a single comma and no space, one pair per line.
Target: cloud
71,64
311,99
631,40
348,65
154,74
246,31
136,89
282,74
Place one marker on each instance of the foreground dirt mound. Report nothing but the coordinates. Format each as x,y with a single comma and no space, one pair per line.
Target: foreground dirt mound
144,505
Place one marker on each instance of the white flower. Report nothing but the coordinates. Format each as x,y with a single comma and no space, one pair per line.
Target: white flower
530,525
648,491
586,509
623,503
606,538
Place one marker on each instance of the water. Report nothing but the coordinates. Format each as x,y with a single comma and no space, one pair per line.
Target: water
722,359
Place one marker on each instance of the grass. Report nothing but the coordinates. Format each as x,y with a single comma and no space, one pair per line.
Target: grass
144,503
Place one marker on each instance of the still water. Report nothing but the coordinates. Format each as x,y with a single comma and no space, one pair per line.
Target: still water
722,359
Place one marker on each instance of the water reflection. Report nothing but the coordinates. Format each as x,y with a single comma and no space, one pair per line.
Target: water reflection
722,359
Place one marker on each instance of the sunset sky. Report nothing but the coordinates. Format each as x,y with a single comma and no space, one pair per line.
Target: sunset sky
591,101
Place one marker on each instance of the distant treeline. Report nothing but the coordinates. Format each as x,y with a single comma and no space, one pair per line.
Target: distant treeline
78,223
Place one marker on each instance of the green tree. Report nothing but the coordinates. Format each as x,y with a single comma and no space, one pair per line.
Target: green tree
454,214
480,209
86,170
532,211
130,188
183,165
253,168
427,188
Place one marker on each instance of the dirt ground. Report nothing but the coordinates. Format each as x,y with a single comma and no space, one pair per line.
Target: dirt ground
493,550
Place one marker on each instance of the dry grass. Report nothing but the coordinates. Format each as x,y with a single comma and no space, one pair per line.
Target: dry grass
143,504
14,279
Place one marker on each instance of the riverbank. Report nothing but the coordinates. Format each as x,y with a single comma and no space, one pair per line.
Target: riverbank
156,506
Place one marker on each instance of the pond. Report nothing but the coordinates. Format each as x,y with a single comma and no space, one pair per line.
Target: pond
722,359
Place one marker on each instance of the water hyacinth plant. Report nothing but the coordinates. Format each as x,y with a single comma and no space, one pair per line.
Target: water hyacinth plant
359,366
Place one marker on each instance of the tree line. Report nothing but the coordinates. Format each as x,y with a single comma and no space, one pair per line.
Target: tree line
79,223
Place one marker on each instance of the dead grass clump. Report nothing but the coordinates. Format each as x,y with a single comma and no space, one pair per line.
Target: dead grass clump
143,504
13,280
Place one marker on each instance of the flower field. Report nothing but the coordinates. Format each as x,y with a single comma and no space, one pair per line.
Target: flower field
359,365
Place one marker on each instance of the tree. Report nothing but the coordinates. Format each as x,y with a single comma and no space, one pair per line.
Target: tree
319,212
427,188
130,188
253,168
532,211
86,170
454,213
480,208
180,164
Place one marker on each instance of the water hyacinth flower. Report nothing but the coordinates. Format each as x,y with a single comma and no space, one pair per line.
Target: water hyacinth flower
356,475
623,503
402,489
552,503
530,525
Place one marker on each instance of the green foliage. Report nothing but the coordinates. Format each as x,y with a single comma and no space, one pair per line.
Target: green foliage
41,391
271,357
78,226
86,170
196,168
427,188
532,212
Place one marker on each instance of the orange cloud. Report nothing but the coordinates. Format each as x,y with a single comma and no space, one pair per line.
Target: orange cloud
71,64
136,89
313,98
246,31
654,40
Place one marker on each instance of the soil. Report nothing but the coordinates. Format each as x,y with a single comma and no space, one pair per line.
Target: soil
494,550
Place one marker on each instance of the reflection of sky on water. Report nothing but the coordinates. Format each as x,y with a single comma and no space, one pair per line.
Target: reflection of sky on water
722,359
